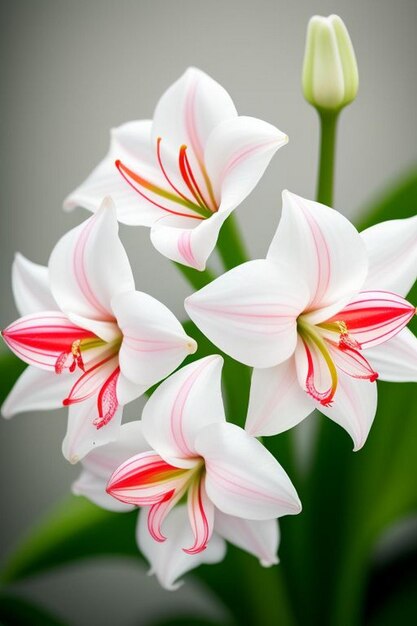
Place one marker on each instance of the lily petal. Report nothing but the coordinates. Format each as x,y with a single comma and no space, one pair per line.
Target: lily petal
323,247
89,266
257,490
146,479
373,317
236,156
127,391
167,560
106,459
250,312
353,407
276,401
40,339
396,360
83,435
154,342
30,283
260,538
37,390
392,252
94,489
181,406
188,241
189,110
100,463
201,514
130,144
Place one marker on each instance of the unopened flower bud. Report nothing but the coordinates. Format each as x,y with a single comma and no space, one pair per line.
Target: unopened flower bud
330,72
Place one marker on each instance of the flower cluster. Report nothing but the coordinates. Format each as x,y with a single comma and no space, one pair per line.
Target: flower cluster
320,319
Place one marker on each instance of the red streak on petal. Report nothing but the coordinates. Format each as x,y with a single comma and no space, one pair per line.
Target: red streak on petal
171,184
107,400
324,397
189,178
126,172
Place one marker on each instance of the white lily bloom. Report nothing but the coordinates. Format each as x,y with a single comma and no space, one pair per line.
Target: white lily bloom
183,173
321,318
188,408
92,342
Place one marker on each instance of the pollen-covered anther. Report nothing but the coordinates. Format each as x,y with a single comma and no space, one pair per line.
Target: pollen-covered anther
64,359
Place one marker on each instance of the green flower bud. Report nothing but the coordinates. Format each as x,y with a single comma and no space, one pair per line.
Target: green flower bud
330,72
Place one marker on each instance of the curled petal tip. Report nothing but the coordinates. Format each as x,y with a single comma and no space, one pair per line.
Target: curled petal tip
192,346
269,562
74,459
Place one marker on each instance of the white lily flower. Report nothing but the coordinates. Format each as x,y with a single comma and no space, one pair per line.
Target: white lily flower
188,408
196,454
183,173
92,342
321,318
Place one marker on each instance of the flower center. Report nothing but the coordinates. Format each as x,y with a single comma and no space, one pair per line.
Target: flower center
318,354
198,197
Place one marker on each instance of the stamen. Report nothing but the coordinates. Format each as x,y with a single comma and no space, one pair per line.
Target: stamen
308,334
77,359
129,174
171,184
189,178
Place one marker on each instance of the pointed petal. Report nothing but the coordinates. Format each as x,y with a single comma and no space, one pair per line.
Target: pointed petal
236,156
89,266
353,407
189,110
392,251
257,490
40,338
83,435
127,391
167,560
146,479
396,360
250,312
186,241
181,407
277,402
131,144
323,247
30,283
94,489
37,390
353,363
201,515
373,317
260,538
154,342
100,463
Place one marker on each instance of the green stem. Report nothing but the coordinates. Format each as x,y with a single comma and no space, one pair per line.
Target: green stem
231,248
194,277
328,128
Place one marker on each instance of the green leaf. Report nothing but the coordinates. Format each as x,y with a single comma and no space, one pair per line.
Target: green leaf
10,369
74,530
15,611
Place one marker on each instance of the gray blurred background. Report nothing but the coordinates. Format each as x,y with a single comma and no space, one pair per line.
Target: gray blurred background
73,69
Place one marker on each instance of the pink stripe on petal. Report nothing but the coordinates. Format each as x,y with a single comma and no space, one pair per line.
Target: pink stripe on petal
145,479
184,247
177,411
201,514
79,267
322,258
